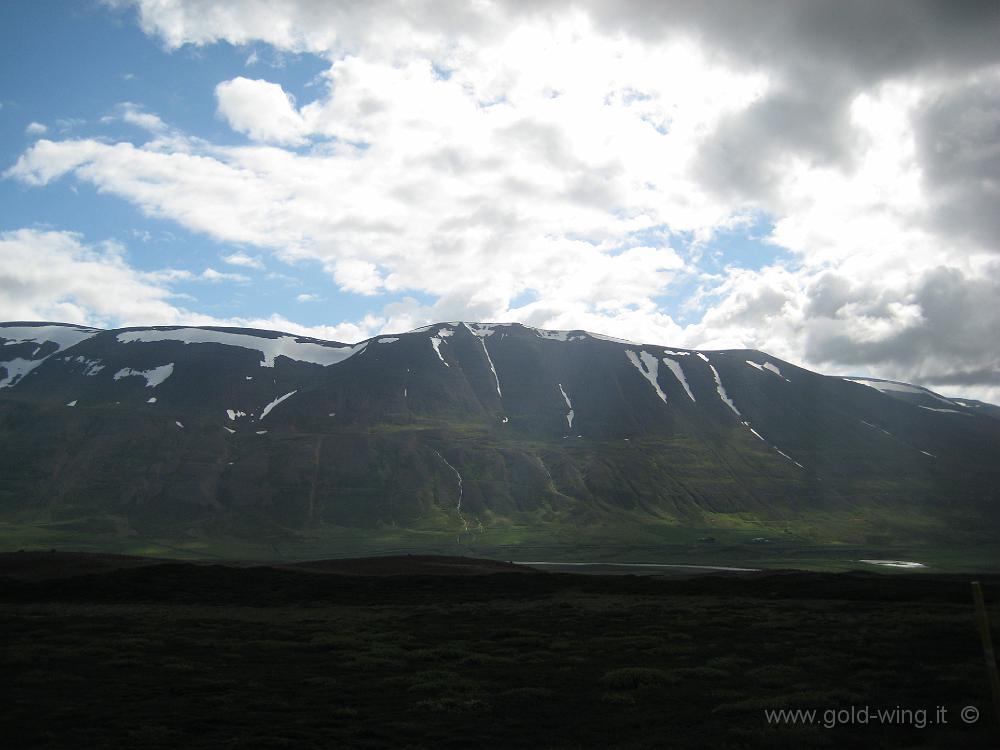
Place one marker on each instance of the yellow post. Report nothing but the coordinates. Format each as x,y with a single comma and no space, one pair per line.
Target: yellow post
983,622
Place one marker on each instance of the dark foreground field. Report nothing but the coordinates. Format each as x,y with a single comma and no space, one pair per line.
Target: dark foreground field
437,653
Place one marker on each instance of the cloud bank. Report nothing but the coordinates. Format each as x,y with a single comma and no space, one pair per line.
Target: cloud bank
573,164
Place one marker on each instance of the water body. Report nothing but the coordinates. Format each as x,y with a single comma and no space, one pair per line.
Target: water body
648,569
894,563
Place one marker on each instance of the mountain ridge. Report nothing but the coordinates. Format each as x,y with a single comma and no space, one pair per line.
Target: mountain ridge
556,334
468,430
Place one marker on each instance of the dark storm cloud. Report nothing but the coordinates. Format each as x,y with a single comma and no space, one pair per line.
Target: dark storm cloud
818,57
984,376
742,160
872,40
828,295
958,138
953,342
819,54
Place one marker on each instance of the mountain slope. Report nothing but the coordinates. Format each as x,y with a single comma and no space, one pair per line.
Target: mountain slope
468,430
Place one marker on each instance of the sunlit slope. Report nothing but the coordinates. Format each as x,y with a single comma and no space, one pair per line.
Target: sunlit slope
469,429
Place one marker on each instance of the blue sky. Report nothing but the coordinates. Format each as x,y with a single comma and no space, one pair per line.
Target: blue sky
70,65
642,172
72,68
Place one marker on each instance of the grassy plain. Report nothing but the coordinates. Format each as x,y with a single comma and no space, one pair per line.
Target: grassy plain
732,545
178,654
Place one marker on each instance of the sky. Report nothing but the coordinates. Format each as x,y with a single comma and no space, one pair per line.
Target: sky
819,180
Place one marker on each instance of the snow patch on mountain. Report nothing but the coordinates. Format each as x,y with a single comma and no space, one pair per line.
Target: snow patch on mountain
876,427
648,365
677,370
494,369
764,440
267,409
436,343
90,366
63,337
561,335
17,369
789,457
153,377
461,491
388,340
570,414
722,391
270,348
552,335
612,339
481,329
767,367
774,368
885,386
484,330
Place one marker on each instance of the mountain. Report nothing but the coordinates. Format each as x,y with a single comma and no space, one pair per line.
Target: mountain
477,433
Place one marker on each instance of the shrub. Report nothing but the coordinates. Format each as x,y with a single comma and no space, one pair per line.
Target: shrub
632,678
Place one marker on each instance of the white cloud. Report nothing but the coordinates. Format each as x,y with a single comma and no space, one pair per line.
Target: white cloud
134,114
447,190
932,327
347,333
261,110
243,260
50,160
210,274
55,276
36,128
357,276
307,298
145,120
46,275
167,275
487,154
